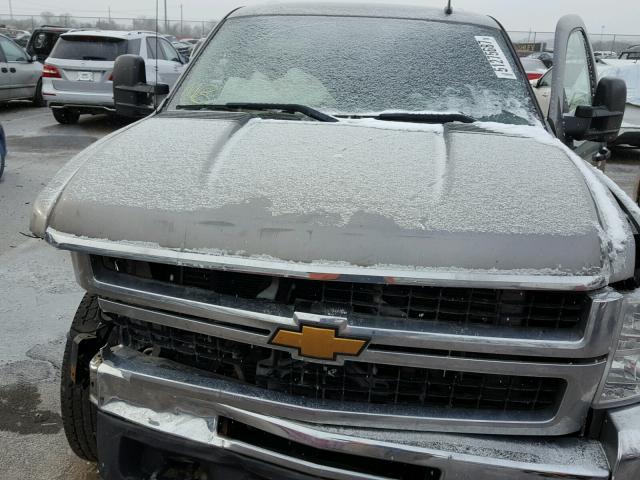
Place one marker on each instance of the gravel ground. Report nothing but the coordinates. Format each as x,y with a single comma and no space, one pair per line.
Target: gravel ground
40,295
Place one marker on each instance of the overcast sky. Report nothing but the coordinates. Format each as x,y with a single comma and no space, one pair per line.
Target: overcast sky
619,16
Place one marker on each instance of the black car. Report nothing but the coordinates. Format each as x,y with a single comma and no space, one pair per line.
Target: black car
3,150
631,53
43,39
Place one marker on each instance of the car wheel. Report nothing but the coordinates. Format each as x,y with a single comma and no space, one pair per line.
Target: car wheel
38,99
65,116
78,413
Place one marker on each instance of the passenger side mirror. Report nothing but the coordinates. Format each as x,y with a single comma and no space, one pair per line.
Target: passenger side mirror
601,121
132,96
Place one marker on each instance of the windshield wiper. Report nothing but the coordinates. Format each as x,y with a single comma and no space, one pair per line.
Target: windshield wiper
425,117
88,57
283,107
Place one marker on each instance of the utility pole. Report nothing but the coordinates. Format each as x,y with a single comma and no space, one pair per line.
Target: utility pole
10,10
166,22
181,32
109,13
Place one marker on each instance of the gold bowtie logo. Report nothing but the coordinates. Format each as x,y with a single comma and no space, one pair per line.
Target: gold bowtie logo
319,343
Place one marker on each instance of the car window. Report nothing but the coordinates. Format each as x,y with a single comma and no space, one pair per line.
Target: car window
80,47
133,46
577,82
546,79
360,66
12,52
169,52
40,41
154,49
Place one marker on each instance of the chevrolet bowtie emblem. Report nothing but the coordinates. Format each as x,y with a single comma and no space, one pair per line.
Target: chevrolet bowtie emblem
318,342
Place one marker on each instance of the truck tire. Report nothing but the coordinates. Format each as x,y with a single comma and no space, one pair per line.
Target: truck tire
38,99
78,413
65,116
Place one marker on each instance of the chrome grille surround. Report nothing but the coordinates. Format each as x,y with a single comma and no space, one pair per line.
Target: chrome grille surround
577,360
357,383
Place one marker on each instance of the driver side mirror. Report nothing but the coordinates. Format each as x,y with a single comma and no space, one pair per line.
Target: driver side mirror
132,96
601,121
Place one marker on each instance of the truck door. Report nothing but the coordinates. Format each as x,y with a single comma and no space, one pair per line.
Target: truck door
581,109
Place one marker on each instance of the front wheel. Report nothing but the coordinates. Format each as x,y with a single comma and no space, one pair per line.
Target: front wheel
78,413
65,116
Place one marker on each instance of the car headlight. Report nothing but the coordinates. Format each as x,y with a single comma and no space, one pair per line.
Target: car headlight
622,382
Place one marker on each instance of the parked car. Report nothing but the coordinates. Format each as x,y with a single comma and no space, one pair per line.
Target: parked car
42,41
604,55
545,57
329,256
632,53
19,74
192,41
21,37
78,73
183,48
629,71
3,150
534,67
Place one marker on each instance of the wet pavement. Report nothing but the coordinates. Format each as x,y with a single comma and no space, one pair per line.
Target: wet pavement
39,295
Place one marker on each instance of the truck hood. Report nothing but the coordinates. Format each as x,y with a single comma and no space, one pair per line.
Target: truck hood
455,198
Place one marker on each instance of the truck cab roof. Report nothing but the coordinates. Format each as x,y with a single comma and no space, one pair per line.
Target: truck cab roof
351,9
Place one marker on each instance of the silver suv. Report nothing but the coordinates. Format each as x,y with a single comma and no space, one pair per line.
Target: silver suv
77,77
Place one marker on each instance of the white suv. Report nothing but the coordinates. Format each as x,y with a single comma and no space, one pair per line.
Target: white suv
77,77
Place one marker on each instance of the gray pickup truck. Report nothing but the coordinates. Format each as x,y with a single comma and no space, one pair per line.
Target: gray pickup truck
349,245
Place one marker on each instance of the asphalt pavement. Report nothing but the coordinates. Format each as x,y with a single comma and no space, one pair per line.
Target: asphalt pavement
38,293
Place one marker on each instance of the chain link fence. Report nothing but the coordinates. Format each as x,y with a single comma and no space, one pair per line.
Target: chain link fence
535,41
179,28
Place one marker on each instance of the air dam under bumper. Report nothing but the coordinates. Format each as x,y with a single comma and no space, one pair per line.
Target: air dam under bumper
147,395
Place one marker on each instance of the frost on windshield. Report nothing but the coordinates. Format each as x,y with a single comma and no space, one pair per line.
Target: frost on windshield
358,66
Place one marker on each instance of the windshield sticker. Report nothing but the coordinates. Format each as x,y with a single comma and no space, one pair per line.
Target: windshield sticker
496,57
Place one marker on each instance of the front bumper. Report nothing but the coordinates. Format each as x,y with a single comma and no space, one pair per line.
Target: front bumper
183,405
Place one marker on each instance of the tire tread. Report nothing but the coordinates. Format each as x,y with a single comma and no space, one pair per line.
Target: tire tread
78,413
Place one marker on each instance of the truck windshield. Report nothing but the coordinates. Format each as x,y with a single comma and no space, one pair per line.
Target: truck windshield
361,66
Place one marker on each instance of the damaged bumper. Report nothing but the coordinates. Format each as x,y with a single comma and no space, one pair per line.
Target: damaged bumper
172,409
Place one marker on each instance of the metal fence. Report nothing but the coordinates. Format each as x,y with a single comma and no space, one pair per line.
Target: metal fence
179,28
199,28
609,42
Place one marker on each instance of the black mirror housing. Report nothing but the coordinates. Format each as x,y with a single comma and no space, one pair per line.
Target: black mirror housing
602,121
132,95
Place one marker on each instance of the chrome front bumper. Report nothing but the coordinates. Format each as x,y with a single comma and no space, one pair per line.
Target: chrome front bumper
159,395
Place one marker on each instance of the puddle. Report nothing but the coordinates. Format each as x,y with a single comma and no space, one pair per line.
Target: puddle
19,412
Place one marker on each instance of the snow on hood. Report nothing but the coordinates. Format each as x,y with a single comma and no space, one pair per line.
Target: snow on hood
481,196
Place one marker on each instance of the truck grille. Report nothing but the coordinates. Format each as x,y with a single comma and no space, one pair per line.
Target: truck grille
363,383
521,309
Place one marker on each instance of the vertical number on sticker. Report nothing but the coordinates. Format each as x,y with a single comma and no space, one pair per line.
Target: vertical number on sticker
496,57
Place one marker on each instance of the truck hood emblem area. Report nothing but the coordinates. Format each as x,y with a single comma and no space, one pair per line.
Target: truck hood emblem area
318,341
